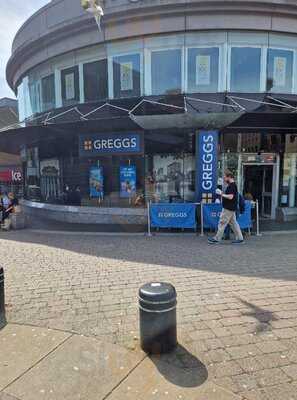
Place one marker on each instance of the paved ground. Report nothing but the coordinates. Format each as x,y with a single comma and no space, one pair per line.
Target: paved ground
237,308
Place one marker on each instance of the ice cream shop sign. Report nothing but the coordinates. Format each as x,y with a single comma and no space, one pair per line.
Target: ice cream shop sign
11,175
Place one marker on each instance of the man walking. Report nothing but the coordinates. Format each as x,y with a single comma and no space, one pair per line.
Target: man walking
228,215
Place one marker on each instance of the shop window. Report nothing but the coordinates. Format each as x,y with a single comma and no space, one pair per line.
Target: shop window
70,86
245,69
95,80
126,76
170,178
203,69
289,181
280,71
48,92
166,72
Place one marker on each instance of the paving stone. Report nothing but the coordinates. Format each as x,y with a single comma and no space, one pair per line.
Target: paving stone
269,377
286,333
250,364
243,351
273,360
5,396
287,391
291,371
24,346
218,355
160,380
227,368
272,346
81,368
203,334
245,382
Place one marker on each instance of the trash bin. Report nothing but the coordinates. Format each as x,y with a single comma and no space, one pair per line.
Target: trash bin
157,314
2,299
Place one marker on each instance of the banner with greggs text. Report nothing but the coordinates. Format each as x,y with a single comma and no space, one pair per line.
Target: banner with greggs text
173,215
207,165
212,212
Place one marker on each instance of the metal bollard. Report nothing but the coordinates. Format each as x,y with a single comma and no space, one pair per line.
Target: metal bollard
157,314
2,299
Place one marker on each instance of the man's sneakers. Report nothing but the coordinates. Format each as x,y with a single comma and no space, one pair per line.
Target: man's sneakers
212,240
238,241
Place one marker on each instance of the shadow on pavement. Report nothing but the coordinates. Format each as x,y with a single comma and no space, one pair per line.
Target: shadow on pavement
263,316
181,368
270,257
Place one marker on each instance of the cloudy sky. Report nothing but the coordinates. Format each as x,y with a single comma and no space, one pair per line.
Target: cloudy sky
12,14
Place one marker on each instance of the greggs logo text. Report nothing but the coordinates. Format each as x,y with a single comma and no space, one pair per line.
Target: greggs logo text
119,143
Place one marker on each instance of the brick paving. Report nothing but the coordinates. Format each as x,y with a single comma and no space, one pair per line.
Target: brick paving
237,306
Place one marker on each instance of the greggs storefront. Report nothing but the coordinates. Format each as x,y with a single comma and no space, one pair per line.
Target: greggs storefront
127,168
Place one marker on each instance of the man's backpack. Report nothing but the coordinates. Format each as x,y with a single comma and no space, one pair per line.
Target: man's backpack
240,204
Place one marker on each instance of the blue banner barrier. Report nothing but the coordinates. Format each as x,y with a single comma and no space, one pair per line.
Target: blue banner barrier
173,215
212,212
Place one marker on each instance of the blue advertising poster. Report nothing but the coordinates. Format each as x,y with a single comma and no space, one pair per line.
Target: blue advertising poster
207,165
96,182
173,215
212,212
128,181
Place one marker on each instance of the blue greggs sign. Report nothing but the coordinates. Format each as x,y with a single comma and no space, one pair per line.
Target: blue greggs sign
207,165
93,145
173,215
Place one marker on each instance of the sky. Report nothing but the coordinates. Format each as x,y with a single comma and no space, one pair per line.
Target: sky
12,15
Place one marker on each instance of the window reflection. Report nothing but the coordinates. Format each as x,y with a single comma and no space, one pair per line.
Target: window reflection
48,92
280,70
126,76
34,95
203,69
166,72
245,69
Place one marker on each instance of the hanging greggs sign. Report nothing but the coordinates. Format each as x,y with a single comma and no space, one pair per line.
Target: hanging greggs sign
11,176
207,165
110,144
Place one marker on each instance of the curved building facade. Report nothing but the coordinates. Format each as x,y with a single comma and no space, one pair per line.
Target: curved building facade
118,112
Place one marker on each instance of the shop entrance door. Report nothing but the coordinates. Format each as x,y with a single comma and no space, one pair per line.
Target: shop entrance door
258,185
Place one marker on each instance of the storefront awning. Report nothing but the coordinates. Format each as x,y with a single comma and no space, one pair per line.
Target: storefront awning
247,112
186,120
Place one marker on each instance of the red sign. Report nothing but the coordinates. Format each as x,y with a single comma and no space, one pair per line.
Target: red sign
11,175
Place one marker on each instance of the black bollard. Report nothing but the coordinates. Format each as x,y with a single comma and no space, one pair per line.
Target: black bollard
157,314
2,299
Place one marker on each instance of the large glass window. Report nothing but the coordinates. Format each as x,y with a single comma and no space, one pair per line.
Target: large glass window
95,80
34,92
280,70
70,86
21,102
126,76
170,166
289,173
48,92
166,72
245,69
203,69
